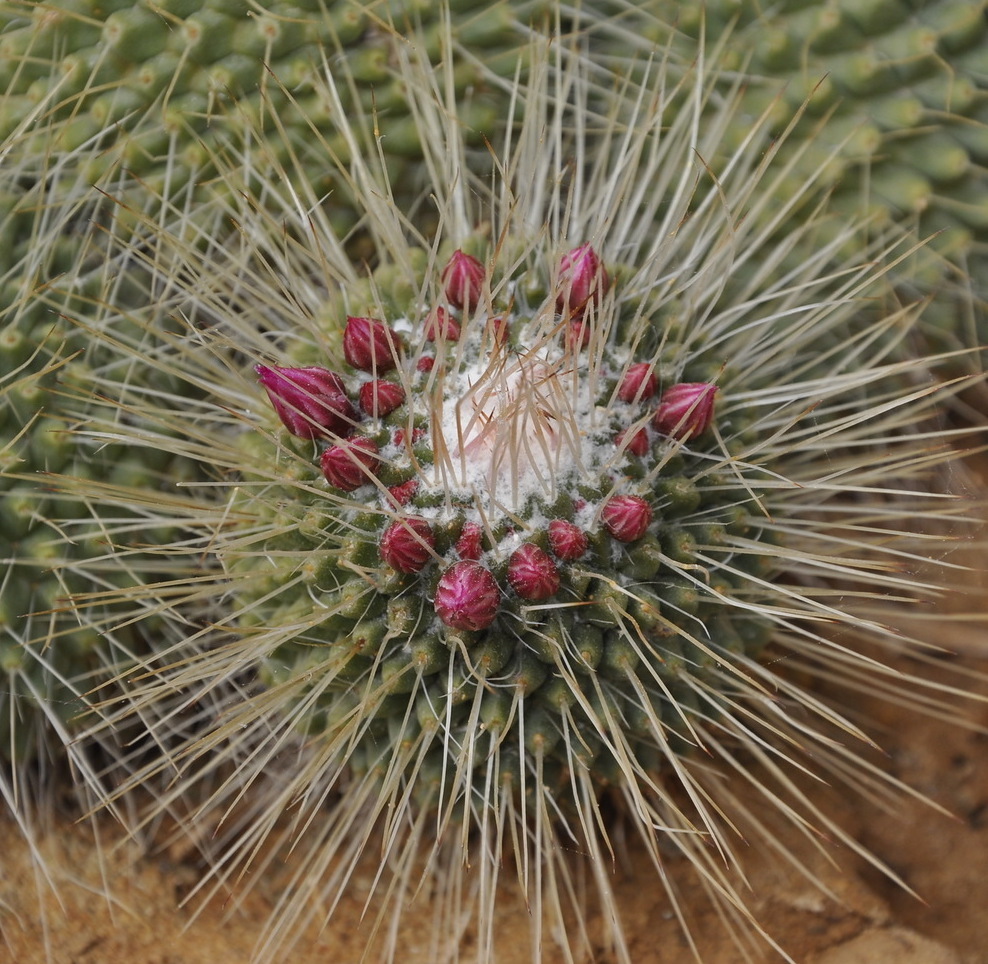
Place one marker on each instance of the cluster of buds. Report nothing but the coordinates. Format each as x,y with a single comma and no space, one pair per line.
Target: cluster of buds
313,403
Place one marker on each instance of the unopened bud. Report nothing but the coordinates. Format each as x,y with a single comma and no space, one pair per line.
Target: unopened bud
634,441
532,574
566,540
469,544
685,410
441,326
467,596
638,383
407,545
370,345
463,281
626,517
351,463
380,397
311,402
582,281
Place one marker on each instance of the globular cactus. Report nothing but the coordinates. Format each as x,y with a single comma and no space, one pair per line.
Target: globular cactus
537,512
898,89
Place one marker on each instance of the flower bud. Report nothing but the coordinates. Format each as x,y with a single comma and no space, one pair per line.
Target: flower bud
582,281
566,540
577,335
531,573
351,463
467,596
500,328
626,517
380,397
370,345
440,325
463,280
638,383
685,410
311,402
469,545
407,545
425,363
634,441
402,493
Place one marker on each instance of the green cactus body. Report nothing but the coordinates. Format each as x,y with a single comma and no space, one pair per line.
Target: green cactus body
506,432
895,98
537,509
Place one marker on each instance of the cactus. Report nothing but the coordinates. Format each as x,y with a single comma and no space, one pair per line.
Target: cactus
900,88
538,510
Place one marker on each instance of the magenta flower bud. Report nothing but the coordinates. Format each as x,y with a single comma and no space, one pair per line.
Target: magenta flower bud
532,574
577,335
467,596
380,397
566,540
351,463
582,281
634,441
401,494
463,280
685,410
311,402
626,517
407,545
500,328
469,545
370,345
639,382
440,325
425,363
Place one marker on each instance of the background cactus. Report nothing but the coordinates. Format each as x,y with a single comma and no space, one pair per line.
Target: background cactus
547,576
900,91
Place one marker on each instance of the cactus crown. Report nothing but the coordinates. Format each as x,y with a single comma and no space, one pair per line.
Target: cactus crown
623,451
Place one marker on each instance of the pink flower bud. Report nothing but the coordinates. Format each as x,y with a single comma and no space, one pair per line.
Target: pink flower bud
469,545
401,494
577,335
425,363
467,596
532,574
407,545
685,410
440,325
350,464
463,280
566,540
639,382
500,328
582,281
370,345
311,402
626,517
634,441
380,397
